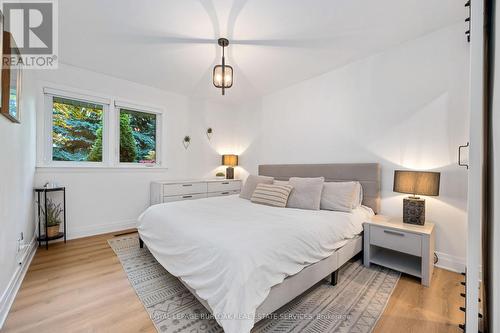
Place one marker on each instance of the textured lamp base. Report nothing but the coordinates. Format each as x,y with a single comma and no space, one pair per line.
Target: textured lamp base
414,210
230,173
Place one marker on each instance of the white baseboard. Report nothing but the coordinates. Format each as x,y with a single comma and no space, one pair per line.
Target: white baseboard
450,263
97,229
10,293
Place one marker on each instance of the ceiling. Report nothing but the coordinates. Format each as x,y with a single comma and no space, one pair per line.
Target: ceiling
171,44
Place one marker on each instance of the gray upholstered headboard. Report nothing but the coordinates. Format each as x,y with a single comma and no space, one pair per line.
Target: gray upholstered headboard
368,174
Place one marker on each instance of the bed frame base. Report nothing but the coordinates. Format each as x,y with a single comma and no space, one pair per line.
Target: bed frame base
335,278
297,284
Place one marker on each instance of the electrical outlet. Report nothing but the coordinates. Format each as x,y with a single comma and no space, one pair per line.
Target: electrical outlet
22,247
20,243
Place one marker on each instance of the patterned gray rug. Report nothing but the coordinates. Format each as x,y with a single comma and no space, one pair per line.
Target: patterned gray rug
353,306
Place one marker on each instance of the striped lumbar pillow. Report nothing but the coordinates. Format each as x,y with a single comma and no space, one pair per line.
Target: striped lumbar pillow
271,195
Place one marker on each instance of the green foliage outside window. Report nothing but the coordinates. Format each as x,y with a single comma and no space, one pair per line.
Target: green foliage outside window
75,128
137,137
95,154
78,129
128,148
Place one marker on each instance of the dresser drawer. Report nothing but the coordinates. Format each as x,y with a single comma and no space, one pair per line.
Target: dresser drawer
401,241
222,193
223,186
184,197
184,188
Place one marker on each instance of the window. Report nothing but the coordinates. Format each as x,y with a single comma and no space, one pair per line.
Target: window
91,131
137,137
77,130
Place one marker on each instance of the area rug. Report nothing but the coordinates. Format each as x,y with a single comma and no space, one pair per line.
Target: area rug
354,305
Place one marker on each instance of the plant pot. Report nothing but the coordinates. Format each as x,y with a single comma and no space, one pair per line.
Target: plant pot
53,231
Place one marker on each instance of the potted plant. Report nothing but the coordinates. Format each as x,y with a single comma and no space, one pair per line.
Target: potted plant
53,218
220,175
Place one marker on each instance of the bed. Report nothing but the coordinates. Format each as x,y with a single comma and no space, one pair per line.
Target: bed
226,251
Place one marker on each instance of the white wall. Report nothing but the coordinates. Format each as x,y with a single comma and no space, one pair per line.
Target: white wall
404,108
103,200
235,130
17,172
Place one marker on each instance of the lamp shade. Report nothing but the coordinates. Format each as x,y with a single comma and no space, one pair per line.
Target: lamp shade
417,182
230,160
227,75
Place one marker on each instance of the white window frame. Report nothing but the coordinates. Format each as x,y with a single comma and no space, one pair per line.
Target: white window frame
49,95
120,104
110,135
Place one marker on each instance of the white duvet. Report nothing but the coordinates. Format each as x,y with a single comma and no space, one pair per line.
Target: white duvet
232,251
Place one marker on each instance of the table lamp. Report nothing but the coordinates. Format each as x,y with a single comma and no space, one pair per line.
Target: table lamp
415,183
230,161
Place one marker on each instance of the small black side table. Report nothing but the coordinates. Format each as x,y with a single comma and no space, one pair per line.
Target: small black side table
45,238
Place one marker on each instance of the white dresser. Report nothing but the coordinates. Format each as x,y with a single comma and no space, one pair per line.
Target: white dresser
176,190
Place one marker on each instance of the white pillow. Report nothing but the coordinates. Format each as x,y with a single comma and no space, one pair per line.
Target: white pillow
358,195
306,193
251,183
341,196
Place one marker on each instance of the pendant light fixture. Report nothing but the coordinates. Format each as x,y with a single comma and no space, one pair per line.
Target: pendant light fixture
223,74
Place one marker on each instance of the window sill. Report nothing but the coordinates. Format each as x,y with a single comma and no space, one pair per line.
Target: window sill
97,168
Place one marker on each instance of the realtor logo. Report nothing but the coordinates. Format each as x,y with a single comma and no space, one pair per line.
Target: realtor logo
33,30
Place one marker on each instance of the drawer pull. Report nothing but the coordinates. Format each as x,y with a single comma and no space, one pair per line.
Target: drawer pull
394,233
225,183
224,193
187,196
186,185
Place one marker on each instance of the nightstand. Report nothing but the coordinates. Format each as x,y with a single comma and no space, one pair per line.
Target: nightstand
403,247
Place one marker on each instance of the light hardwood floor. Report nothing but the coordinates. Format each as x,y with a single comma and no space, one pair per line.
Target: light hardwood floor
81,287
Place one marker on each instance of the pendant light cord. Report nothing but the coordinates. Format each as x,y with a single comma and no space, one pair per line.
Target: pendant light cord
223,71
